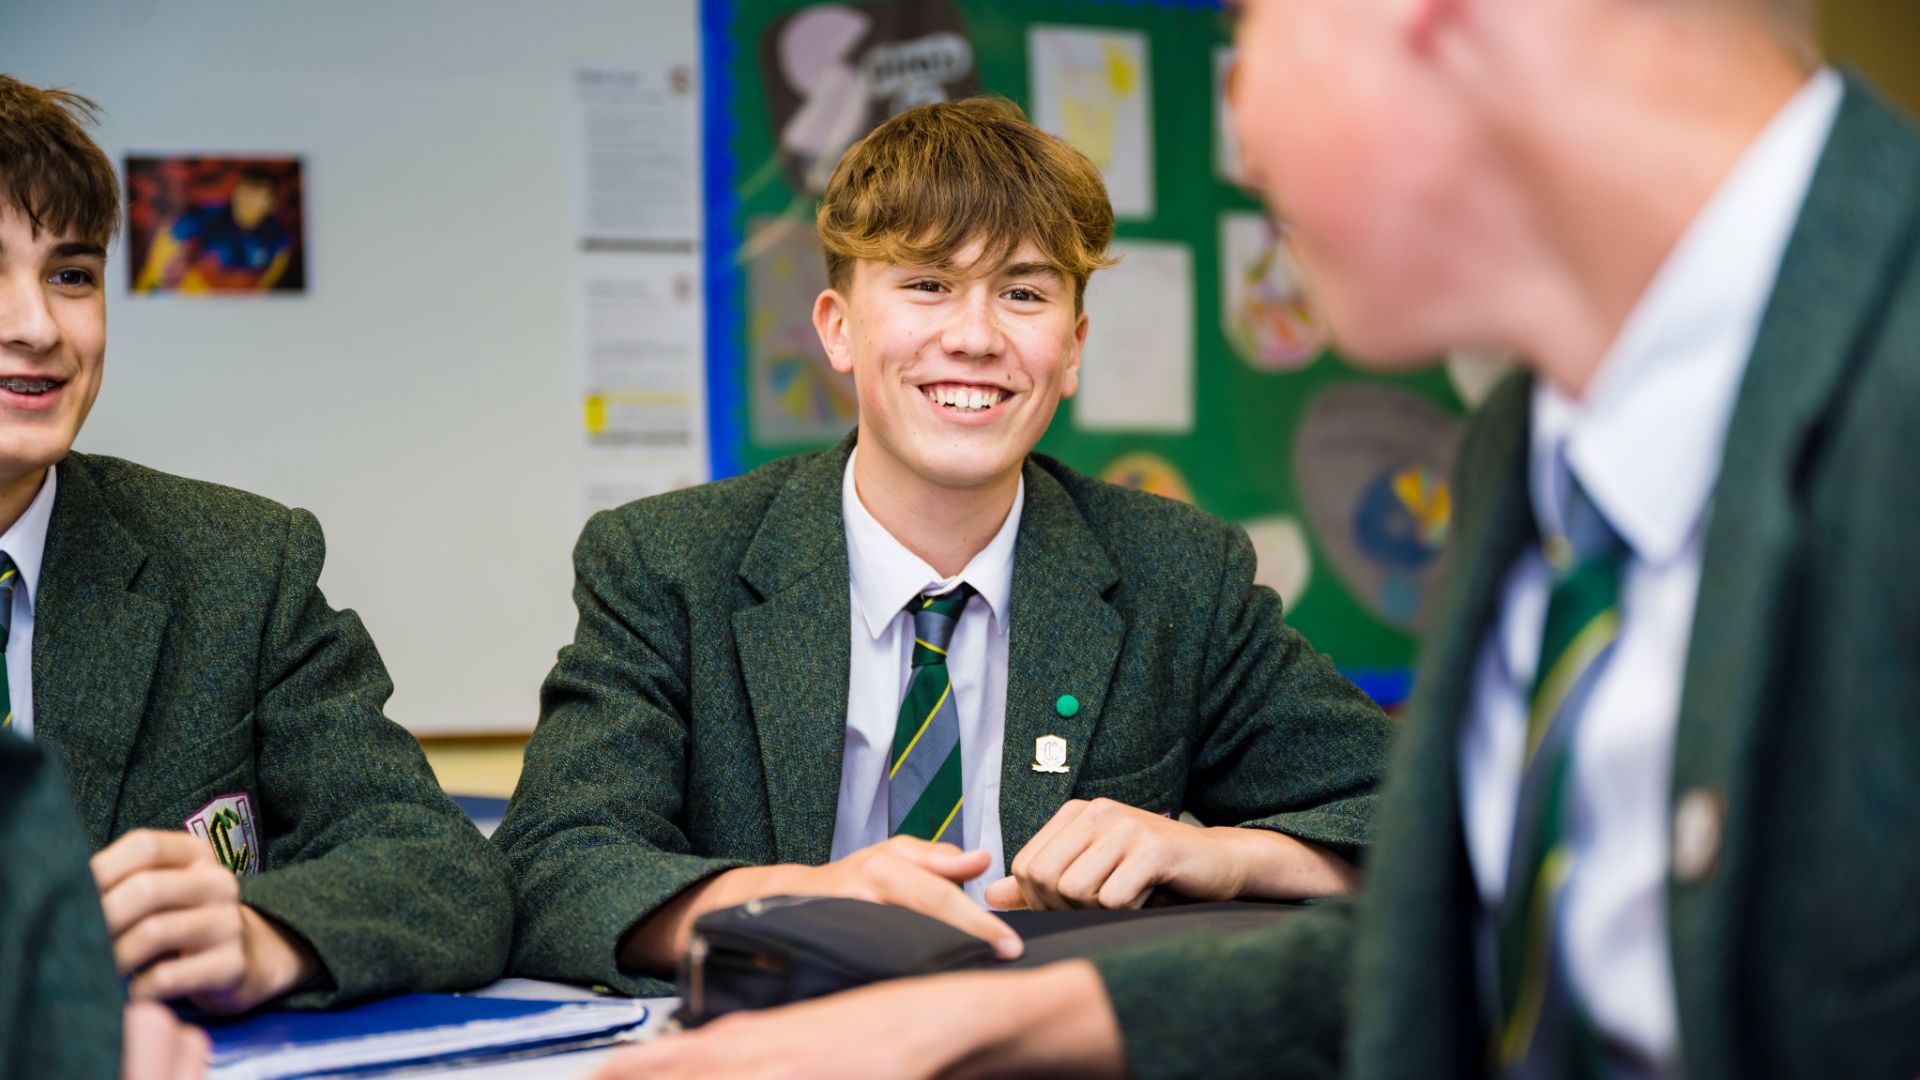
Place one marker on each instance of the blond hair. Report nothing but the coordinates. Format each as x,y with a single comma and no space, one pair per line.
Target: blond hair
932,180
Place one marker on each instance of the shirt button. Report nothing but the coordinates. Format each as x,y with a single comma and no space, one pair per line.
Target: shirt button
1697,824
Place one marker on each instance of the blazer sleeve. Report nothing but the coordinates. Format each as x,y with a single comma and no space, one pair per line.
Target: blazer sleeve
366,858
1268,1003
594,829
1286,742
60,998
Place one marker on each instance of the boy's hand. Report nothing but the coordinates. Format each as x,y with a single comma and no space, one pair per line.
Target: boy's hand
902,871
1049,1021
180,930
1104,854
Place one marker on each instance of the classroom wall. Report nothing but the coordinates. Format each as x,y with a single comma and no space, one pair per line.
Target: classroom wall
421,399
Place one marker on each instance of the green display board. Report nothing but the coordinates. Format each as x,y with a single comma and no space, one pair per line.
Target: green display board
1340,475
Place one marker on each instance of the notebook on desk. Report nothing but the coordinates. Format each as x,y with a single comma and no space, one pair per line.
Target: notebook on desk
409,1031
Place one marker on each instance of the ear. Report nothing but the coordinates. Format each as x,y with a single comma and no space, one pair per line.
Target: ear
1070,378
830,322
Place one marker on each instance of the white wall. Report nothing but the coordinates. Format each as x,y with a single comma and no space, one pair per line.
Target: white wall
422,397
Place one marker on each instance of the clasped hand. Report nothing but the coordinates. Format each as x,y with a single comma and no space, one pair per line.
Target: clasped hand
180,930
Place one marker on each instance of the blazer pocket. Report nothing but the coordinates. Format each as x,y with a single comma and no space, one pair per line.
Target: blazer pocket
224,751
1160,787
236,780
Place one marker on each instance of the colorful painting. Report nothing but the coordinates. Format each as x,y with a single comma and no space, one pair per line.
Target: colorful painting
200,226
832,72
1091,87
1265,313
1373,465
1148,472
797,396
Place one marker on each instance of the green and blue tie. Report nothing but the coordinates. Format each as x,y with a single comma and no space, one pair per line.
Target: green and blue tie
923,772
9,580
1540,1030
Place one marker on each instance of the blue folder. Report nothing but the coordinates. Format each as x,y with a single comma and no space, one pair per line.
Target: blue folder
410,1030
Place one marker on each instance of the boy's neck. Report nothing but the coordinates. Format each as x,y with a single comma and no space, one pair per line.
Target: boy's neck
944,526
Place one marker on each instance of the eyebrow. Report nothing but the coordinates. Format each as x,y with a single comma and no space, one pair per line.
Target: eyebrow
1032,269
77,249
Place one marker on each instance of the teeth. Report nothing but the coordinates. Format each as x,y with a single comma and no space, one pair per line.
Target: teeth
28,386
965,398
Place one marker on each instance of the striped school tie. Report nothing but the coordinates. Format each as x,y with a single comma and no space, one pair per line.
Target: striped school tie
1540,1030
923,772
9,579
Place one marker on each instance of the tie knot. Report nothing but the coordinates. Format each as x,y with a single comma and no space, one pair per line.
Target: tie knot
934,618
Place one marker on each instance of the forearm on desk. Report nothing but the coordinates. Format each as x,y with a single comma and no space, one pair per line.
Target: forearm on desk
1282,867
1055,1020
655,944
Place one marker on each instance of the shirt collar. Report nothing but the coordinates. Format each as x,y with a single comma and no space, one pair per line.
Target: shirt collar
26,542
885,575
1645,442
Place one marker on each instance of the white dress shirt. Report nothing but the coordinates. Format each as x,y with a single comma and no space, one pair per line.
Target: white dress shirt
1645,445
26,544
883,576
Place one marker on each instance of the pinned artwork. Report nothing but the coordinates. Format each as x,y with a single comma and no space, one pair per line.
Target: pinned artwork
796,394
1148,472
1265,311
1137,369
833,72
1092,88
1373,465
1283,561
200,226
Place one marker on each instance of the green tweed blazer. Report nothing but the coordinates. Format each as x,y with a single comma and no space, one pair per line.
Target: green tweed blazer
1796,946
60,999
697,721
182,651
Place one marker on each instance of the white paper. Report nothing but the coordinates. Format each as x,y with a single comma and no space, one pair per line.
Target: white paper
642,377
1092,88
1136,373
636,157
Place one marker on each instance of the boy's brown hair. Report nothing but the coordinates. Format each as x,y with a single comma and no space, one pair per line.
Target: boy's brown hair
50,169
927,182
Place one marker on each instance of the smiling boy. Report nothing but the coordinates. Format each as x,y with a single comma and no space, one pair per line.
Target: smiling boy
264,833
929,667
1651,806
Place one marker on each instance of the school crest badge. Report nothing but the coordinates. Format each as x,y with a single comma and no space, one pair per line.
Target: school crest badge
1050,754
227,824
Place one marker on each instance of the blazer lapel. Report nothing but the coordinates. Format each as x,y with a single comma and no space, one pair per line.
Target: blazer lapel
1858,215
794,653
95,643
1064,639
1414,978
